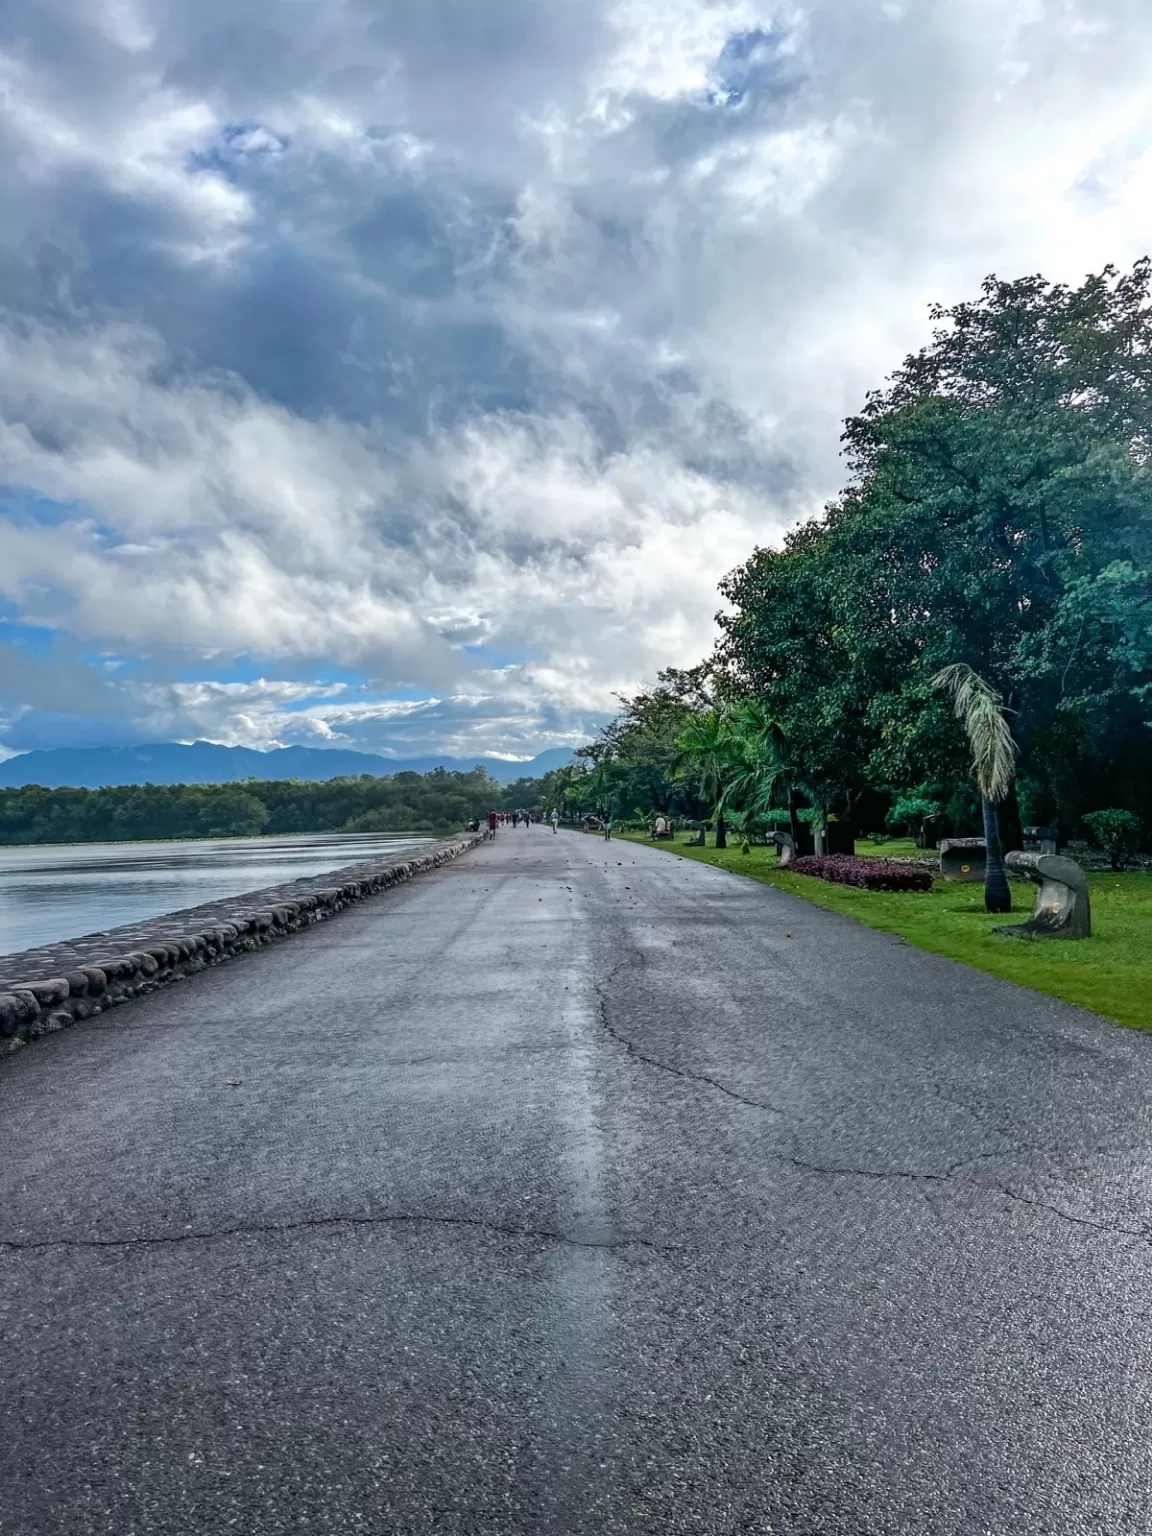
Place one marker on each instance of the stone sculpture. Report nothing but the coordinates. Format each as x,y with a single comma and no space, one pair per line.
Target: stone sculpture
963,859
1045,836
1063,910
785,846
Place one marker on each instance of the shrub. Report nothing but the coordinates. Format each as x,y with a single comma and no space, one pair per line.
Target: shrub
914,811
1117,832
870,874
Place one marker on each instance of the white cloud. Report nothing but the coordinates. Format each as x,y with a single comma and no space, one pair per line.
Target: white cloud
361,348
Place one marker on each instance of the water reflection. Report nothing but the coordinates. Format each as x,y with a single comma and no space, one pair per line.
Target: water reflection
59,891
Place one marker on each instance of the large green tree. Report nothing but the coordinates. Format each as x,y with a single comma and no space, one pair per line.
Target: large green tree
999,515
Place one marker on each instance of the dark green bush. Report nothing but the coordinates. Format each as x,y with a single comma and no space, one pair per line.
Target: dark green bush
1117,832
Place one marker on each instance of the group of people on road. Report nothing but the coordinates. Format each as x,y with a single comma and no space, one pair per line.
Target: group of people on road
497,819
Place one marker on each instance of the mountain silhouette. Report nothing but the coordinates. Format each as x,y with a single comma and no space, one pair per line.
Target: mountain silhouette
204,762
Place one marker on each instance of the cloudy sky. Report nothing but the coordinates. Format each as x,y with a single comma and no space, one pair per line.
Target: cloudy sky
404,374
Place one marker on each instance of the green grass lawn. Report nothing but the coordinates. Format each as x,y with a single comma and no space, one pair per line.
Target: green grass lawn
1109,974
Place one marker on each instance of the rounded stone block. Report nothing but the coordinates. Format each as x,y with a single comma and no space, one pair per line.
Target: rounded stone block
11,1015
119,967
48,994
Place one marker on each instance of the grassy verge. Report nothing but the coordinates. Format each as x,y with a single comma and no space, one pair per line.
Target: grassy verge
894,848
1109,974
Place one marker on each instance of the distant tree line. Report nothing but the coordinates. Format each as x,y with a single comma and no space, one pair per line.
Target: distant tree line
404,802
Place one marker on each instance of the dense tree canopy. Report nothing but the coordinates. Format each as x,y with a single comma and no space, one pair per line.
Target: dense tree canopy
998,515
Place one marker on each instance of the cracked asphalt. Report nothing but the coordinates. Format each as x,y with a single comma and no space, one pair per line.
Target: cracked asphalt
578,1188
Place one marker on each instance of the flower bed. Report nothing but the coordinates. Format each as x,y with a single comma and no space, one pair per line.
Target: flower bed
870,874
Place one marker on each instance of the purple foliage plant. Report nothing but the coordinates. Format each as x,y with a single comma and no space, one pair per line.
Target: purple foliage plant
868,874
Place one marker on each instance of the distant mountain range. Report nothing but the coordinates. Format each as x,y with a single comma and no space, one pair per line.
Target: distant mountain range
203,762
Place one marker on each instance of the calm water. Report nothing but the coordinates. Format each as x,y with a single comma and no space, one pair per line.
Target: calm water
60,891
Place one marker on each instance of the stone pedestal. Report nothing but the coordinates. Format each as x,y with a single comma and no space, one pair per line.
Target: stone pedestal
964,859
1045,836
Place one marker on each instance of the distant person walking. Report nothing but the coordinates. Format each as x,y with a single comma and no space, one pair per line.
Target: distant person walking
493,821
555,819
607,829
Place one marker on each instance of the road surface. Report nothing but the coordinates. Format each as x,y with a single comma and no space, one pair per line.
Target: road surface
578,1188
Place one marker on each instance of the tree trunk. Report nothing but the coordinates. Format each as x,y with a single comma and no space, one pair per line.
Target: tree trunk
997,896
793,819
1009,820
721,833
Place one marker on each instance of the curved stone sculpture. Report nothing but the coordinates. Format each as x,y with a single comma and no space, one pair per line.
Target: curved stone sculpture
1063,910
785,846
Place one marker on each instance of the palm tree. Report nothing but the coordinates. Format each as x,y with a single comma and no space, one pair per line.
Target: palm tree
758,766
980,711
707,756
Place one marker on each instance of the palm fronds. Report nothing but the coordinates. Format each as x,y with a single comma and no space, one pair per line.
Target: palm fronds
980,711
761,742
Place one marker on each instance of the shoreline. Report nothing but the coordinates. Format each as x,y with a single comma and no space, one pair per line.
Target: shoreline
47,989
229,837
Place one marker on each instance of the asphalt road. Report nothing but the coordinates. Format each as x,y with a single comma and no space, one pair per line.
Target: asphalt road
578,1188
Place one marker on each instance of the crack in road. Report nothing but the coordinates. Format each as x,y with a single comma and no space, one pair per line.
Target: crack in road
947,1175
539,1234
1142,1233
664,1066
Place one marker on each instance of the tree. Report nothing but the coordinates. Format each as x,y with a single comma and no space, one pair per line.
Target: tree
759,768
980,712
788,644
914,810
1117,832
999,511
709,758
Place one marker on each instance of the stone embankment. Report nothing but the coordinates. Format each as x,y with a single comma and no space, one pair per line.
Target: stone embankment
43,990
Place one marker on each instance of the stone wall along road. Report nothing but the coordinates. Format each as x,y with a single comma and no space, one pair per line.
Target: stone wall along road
43,990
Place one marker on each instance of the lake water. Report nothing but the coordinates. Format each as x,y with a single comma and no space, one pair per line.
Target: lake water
59,891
